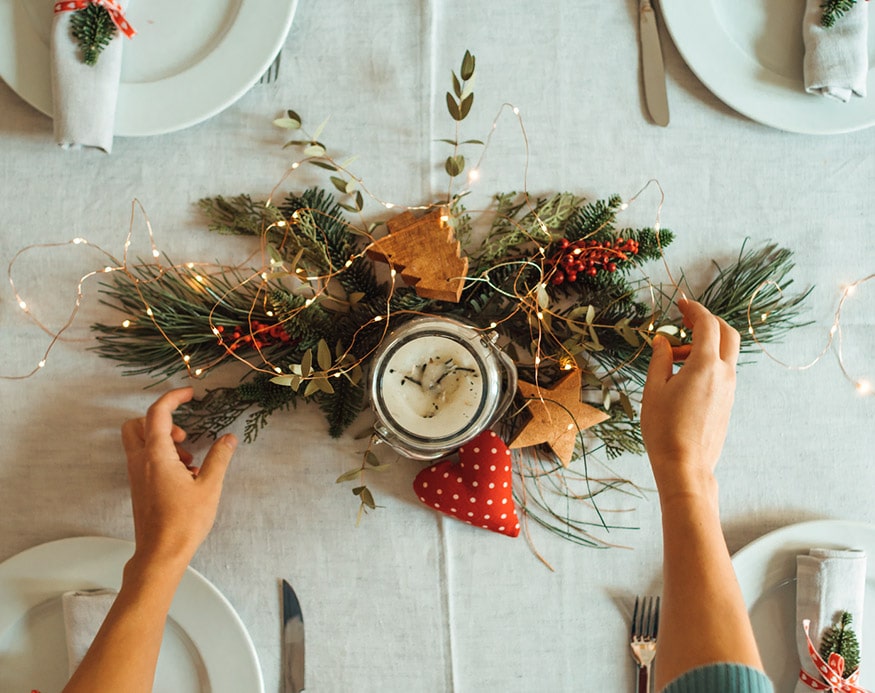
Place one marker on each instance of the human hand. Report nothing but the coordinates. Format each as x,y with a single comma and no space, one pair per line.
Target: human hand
685,415
174,506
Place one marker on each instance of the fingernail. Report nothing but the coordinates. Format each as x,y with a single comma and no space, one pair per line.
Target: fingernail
230,440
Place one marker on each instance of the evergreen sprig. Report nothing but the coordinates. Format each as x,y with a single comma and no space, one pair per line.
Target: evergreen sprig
841,639
93,29
833,10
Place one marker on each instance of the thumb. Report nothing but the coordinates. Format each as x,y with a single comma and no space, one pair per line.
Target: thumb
660,369
217,460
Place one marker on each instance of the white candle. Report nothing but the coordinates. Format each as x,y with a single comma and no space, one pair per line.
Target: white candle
433,387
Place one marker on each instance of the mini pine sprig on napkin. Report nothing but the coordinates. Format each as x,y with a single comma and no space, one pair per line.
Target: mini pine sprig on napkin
93,28
841,639
833,9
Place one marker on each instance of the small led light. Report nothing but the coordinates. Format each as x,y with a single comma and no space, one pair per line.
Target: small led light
540,315
216,331
516,111
569,427
190,265
750,330
126,323
348,263
198,371
864,387
650,327
79,241
683,334
493,325
388,205
295,165
149,312
850,289
281,223
277,369
763,317
833,329
22,305
444,218
198,278
392,273
41,364
263,275
656,226
567,367
473,175
269,313
107,270
186,358
537,360
378,318
624,206
308,302
156,252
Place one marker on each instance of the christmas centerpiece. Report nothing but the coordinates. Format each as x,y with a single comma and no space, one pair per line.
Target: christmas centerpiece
552,289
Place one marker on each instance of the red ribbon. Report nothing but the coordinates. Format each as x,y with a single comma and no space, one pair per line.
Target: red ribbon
831,671
111,6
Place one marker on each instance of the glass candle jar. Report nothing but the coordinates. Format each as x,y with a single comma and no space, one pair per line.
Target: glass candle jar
436,383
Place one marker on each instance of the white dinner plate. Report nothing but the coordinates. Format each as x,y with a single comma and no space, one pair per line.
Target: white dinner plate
766,570
749,54
206,648
188,61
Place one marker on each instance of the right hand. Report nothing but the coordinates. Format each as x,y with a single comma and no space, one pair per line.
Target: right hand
174,507
685,415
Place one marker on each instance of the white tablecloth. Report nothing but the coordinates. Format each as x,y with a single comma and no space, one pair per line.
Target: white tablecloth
410,601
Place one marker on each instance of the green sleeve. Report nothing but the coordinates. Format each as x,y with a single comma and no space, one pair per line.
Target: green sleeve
721,678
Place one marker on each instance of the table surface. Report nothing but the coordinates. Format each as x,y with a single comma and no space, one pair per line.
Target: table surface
409,600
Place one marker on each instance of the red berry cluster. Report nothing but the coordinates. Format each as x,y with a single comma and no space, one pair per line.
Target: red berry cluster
589,257
258,336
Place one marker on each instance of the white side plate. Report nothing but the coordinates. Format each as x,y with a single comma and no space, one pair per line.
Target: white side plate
186,64
206,648
766,570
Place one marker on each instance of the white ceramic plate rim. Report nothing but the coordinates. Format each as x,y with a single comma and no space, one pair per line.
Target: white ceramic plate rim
770,561
207,87
749,87
45,572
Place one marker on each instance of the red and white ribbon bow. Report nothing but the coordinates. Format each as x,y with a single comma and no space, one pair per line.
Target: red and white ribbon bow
111,6
832,671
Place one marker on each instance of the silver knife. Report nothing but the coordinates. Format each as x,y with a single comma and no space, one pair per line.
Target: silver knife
293,642
651,65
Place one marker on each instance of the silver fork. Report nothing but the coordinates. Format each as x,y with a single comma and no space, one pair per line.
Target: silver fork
645,624
273,72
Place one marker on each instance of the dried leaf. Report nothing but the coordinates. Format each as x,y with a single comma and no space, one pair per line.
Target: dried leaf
287,123
359,200
323,164
457,86
453,107
321,128
323,355
590,315
367,498
468,63
543,297
314,149
338,183
307,364
294,116
465,107
349,475
454,165
626,403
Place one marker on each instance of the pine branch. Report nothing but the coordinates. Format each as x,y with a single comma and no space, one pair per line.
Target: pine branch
763,272
342,406
93,29
833,10
841,639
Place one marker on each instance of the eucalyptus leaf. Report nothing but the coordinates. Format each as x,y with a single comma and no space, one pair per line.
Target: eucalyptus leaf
307,364
314,149
468,63
338,183
287,123
453,107
351,187
295,143
465,106
626,403
367,498
294,116
321,128
323,355
359,200
349,475
372,459
457,86
590,314
324,164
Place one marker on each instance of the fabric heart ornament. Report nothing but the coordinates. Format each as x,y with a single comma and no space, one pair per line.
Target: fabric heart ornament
478,488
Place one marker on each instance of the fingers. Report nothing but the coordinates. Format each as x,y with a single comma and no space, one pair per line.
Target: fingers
706,329
660,369
730,342
132,434
159,418
217,460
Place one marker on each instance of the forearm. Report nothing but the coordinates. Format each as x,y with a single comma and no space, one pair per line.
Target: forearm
124,653
703,615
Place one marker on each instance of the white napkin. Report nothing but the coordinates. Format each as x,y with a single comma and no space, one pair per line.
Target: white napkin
84,613
827,582
84,96
836,58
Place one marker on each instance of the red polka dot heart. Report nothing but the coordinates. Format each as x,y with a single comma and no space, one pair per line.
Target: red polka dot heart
477,489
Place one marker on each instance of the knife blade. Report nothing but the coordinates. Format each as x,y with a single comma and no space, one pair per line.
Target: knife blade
652,66
293,642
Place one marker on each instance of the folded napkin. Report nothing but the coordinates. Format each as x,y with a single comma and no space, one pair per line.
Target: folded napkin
84,613
836,60
827,582
85,95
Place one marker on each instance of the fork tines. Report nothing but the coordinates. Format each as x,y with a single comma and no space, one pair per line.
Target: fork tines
645,618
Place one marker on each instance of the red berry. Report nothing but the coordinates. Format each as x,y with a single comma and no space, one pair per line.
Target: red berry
572,276
612,267
558,278
592,271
